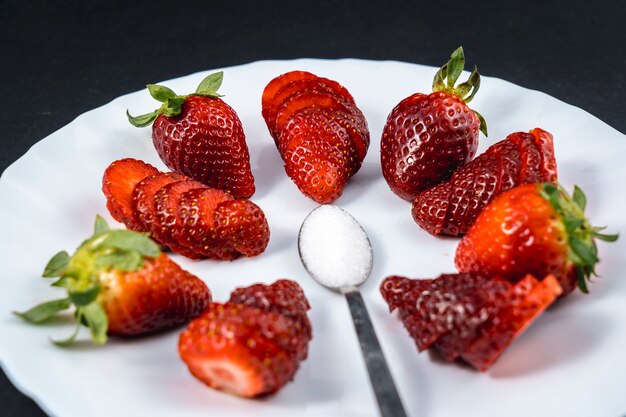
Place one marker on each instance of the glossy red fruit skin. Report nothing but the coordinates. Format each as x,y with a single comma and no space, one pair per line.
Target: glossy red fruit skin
426,137
518,233
144,203
118,182
207,143
168,225
242,226
159,296
245,336
319,154
450,208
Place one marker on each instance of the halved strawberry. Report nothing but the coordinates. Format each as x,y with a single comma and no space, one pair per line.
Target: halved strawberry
167,223
522,310
236,349
143,196
118,182
242,225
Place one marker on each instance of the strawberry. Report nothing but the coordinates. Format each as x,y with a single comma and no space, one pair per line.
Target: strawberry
471,316
428,136
121,284
192,219
118,182
252,345
319,131
200,136
534,229
528,299
451,207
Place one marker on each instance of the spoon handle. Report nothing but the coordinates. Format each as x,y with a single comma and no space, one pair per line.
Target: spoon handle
387,396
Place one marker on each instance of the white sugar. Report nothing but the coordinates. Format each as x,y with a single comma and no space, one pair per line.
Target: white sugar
334,248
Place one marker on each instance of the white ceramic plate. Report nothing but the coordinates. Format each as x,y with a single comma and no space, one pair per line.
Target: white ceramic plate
569,363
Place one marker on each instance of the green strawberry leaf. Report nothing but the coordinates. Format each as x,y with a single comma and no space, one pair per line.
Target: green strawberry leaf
97,321
483,123
84,296
57,265
44,311
143,120
579,198
128,240
583,250
210,84
455,66
582,282
160,92
72,338
122,260
173,106
606,238
100,225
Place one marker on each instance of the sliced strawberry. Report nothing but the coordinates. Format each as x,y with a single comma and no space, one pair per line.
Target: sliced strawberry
284,297
509,165
494,294
545,144
143,197
237,349
430,208
118,182
242,225
307,99
197,214
168,225
529,156
512,321
470,191
270,101
395,289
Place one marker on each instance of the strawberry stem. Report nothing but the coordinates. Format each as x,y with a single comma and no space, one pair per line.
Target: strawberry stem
79,275
447,76
583,251
172,103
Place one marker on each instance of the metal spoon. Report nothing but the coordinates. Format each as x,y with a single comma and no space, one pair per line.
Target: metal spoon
333,231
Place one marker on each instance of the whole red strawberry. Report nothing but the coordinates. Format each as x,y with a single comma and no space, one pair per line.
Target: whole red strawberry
253,344
182,214
200,136
121,284
472,316
427,136
451,207
534,229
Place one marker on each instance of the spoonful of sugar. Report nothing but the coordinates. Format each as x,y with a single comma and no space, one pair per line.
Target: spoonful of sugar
337,253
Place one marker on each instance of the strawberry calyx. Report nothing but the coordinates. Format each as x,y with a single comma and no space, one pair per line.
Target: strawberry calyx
106,250
581,235
172,102
447,76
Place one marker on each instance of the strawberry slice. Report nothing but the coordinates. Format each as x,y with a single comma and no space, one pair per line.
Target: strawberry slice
269,99
509,165
545,144
243,226
167,222
236,349
143,197
395,289
197,214
529,156
521,311
118,182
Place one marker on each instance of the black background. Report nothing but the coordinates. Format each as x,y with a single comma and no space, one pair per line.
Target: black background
62,58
